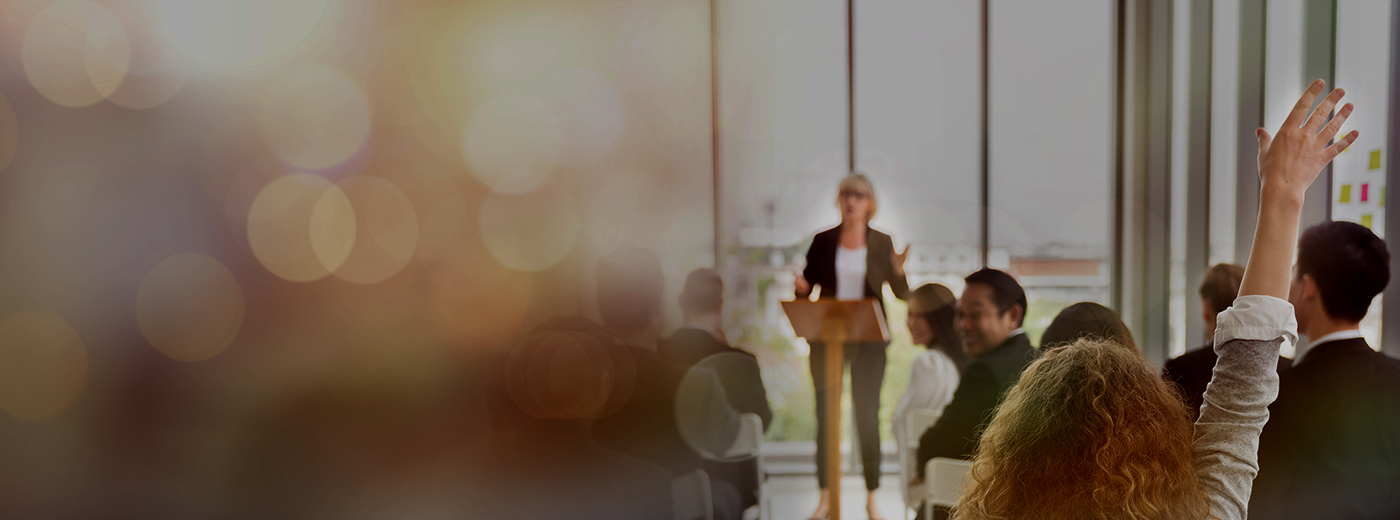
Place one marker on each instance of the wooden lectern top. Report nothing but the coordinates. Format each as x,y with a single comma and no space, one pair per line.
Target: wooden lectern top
862,319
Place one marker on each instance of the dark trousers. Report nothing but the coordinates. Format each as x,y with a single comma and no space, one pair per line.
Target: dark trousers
867,362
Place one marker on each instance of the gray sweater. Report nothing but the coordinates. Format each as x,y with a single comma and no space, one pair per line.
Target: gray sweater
1244,383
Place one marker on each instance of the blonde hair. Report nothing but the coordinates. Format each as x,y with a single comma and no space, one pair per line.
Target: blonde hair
858,182
1090,431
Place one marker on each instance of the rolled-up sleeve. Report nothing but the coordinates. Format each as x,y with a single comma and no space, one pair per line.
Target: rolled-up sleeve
1236,403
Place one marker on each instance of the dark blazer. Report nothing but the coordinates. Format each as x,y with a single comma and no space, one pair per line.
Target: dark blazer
738,370
984,383
1331,448
821,264
1191,372
743,384
671,413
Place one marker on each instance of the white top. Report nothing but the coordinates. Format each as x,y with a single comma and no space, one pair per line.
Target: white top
932,380
1335,336
850,273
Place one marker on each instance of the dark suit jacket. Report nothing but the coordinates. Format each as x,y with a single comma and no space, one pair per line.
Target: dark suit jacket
984,382
1192,372
671,414
739,374
737,370
1331,448
670,417
821,264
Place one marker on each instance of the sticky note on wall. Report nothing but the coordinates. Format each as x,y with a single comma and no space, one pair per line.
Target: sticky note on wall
1346,193
1375,160
1365,191
1366,221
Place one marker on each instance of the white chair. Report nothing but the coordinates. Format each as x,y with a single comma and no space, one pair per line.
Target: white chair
690,497
915,423
943,481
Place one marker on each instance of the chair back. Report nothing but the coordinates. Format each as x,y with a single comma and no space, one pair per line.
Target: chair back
690,497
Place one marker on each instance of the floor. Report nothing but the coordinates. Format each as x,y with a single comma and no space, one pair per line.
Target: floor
795,497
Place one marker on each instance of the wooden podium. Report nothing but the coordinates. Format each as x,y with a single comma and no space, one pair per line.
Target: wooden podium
836,323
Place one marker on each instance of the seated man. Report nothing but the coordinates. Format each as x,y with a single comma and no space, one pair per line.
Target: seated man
990,314
1331,448
1192,371
675,415
700,341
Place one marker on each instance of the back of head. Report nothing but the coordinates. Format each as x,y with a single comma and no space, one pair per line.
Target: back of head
936,304
630,285
1005,289
703,292
1349,264
1221,285
1090,431
1086,320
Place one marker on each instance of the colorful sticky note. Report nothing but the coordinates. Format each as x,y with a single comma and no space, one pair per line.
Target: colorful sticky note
1346,193
1375,160
1365,191
1366,221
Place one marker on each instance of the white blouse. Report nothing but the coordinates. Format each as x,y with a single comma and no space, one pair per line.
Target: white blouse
850,273
933,377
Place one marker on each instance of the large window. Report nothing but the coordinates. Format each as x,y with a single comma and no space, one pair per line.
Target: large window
1051,144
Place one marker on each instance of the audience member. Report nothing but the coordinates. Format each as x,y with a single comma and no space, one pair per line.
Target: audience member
1331,448
675,416
552,393
701,341
1091,431
1086,320
1191,371
989,318
933,375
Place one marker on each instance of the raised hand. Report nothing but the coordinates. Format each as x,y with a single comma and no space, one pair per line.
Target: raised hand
802,286
897,260
1288,163
1291,160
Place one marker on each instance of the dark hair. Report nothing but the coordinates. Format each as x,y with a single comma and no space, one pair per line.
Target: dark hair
1221,286
1005,290
1086,320
1349,264
630,285
703,292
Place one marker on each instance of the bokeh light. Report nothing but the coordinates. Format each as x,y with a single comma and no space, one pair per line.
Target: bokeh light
315,117
154,74
530,232
388,230
513,143
43,365
301,227
189,307
9,132
74,52
239,33
570,375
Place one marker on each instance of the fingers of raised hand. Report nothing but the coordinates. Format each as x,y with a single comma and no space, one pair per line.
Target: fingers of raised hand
1300,110
1324,108
1341,144
1335,125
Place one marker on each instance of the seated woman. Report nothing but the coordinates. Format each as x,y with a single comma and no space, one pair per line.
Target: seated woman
1090,431
1085,320
933,376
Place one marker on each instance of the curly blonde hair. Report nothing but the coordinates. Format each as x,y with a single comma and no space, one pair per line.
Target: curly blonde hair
1090,431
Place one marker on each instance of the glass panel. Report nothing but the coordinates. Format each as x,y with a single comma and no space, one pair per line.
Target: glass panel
1358,175
918,137
783,140
1051,150
1224,128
